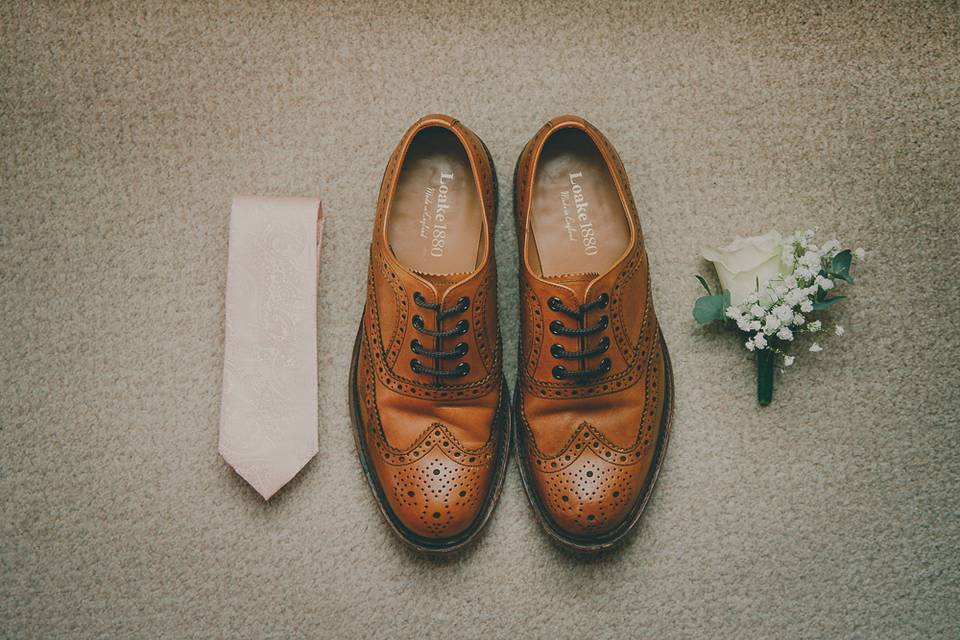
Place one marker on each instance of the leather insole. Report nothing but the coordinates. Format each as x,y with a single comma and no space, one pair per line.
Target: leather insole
577,220
435,221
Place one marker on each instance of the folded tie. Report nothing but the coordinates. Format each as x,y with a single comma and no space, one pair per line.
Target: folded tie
268,411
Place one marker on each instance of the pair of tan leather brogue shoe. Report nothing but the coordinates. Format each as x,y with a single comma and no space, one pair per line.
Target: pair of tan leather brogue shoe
430,406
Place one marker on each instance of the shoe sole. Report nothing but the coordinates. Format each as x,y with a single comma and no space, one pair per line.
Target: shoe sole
501,424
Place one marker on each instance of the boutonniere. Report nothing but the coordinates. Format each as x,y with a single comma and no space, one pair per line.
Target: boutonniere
770,289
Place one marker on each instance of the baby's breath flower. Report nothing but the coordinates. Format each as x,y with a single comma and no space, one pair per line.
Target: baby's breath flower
733,313
811,259
831,248
860,253
814,326
838,330
815,348
798,319
785,313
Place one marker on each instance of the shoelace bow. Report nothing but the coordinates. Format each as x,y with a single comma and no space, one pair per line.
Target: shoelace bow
437,353
557,328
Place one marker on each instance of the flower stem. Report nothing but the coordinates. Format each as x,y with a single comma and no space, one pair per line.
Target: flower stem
764,376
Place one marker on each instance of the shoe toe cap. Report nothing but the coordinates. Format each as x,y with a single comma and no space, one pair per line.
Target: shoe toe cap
435,497
591,496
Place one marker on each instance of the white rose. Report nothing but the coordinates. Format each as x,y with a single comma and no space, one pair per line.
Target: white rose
745,261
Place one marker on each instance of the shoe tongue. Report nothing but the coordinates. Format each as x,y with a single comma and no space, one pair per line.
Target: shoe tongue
442,282
576,281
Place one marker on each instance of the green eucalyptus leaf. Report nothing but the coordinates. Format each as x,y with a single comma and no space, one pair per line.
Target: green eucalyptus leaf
705,285
709,309
840,266
827,302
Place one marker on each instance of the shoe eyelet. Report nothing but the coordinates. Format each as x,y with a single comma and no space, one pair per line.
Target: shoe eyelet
416,366
418,298
604,344
560,372
417,321
556,327
462,348
557,350
463,303
462,327
463,369
603,300
604,321
554,303
605,365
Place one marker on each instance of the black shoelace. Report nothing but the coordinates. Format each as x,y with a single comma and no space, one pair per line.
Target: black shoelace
437,353
557,328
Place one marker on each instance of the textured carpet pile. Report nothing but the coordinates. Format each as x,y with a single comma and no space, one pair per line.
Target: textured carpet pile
125,130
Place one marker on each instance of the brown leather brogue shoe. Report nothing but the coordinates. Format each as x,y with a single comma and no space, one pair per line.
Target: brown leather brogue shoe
429,404
594,391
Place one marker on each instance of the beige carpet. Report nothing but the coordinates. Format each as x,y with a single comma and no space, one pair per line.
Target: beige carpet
125,131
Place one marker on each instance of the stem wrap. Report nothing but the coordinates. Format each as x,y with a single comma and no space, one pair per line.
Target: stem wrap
764,377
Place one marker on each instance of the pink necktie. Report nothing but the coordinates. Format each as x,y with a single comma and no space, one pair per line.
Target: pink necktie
268,410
